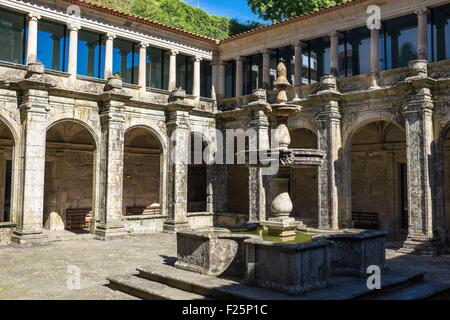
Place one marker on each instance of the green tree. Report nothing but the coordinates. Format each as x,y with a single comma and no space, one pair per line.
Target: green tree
278,10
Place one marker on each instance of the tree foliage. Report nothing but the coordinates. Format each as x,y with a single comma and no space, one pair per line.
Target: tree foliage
179,14
279,10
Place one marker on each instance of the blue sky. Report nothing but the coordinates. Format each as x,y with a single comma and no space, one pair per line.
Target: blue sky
230,8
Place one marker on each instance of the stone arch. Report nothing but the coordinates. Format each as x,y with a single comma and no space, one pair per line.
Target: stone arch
360,174
199,176
9,171
138,156
71,172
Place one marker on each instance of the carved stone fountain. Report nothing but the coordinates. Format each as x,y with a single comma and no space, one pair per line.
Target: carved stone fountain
281,224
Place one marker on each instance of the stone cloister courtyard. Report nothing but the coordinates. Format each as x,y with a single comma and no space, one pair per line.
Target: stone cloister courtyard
42,272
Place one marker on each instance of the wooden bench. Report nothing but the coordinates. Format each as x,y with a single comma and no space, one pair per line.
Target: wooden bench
78,219
365,220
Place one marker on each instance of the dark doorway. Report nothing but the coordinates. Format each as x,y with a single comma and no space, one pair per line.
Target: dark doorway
8,181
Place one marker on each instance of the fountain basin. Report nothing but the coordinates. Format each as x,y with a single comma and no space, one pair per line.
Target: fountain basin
289,268
212,252
353,253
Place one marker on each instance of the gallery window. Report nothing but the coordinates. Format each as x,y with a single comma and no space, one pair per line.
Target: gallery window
440,33
252,77
185,71
91,54
205,79
157,68
12,37
53,45
126,60
230,79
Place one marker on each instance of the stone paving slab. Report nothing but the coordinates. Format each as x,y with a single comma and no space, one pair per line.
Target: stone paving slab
41,272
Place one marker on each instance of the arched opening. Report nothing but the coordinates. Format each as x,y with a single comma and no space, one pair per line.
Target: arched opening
304,190
69,178
379,178
6,172
197,175
237,181
142,163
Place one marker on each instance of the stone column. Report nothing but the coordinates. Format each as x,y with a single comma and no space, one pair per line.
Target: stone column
109,46
196,80
374,58
178,130
257,181
424,227
173,69
422,33
334,53
73,51
142,80
221,80
330,141
298,49
32,37
2,186
34,107
214,77
266,69
239,76
112,122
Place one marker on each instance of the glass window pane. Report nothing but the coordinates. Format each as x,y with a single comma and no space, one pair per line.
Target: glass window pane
52,46
185,73
230,79
205,79
401,41
319,58
358,51
125,60
91,54
441,33
12,37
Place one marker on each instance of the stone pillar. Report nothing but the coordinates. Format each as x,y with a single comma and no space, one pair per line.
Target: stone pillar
34,107
112,122
424,227
73,51
32,37
422,33
109,45
196,80
334,53
173,69
330,142
142,80
257,181
239,76
221,80
214,77
374,57
2,185
178,130
298,49
266,69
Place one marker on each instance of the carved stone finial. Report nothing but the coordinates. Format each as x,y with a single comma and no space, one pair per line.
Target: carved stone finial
282,75
177,94
113,83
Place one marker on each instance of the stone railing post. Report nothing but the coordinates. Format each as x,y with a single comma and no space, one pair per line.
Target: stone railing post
112,121
178,130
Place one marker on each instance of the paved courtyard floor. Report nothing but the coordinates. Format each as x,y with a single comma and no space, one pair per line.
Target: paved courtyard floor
42,272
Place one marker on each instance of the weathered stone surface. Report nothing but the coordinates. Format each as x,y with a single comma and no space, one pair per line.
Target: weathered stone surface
352,253
290,268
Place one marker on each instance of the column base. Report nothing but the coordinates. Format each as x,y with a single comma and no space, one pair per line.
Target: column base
422,246
29,239
109,232
171,226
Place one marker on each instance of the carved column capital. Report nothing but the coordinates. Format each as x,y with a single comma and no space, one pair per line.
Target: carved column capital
34,16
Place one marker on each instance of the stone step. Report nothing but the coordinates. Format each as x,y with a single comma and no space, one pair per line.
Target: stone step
420,291
345,288
149,290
